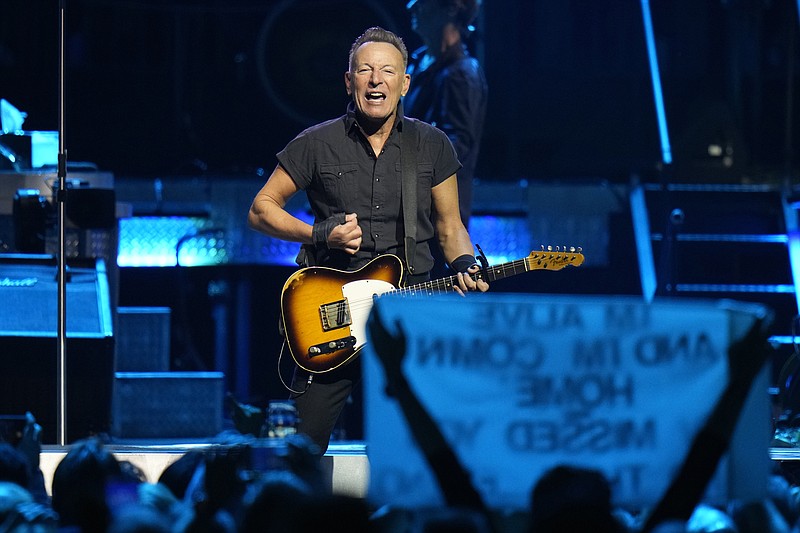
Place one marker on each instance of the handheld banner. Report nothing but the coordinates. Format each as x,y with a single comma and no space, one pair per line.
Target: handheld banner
522,383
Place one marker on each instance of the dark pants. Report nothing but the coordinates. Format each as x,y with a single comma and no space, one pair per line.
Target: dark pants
322,402
324,398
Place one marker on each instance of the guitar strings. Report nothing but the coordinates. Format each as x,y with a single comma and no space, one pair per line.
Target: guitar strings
447,284
428,287
546,260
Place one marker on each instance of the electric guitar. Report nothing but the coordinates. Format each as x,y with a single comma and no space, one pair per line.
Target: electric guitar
325,310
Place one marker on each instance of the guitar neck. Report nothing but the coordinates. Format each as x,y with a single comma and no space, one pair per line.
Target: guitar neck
543,260
446,285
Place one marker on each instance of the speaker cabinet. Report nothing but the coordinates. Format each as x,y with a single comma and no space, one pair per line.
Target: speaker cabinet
166,405
29,352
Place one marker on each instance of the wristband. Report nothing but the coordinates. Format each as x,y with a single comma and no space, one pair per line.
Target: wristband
462,263
321,230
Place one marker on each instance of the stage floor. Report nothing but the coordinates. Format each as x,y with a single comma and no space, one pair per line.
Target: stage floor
345,465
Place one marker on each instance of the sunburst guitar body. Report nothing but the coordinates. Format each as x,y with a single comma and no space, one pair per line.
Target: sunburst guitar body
325,310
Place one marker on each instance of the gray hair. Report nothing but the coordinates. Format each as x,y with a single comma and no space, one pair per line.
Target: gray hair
377,34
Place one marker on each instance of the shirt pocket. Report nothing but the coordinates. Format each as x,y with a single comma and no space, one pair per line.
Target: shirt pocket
339,183
424,173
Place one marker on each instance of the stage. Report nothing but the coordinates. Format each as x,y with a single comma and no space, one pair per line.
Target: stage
345,464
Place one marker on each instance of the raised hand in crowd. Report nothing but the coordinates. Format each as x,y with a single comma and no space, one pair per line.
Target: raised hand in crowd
746,358
453,479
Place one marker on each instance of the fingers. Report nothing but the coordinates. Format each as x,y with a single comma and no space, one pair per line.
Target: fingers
480,284
353,245
346,236
465,282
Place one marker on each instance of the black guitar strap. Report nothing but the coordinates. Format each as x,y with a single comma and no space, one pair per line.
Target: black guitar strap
408,158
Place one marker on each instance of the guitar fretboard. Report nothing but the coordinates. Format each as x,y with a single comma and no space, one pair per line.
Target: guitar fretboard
544,260
446,285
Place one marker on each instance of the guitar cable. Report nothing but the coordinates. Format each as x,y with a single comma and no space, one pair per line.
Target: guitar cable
283,382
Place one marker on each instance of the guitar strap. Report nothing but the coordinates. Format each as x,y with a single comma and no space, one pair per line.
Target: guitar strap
408,152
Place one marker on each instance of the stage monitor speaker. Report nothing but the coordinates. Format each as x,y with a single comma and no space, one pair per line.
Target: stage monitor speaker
29,343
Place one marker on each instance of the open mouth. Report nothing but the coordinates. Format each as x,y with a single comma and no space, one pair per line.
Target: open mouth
376,96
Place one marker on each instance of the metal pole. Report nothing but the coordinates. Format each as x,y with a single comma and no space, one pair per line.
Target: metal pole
61,197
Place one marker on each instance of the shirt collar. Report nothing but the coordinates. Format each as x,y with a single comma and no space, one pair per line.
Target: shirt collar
350,117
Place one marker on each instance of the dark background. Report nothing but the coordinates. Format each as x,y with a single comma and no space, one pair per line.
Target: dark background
214,88
158,87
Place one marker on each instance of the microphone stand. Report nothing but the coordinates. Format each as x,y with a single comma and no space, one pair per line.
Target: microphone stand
61,198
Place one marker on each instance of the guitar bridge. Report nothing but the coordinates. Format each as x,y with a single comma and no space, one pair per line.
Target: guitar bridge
335,315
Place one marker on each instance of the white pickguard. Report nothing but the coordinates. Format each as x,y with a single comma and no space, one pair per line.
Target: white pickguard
359,299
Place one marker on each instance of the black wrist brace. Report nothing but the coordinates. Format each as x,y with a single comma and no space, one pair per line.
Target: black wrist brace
462,263
321,230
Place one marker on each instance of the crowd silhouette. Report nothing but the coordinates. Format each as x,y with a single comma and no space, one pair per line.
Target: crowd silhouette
225,486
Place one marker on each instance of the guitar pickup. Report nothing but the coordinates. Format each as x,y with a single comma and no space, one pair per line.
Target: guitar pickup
331,346
335,315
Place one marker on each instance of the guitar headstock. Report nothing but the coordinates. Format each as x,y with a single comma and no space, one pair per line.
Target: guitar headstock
555,259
